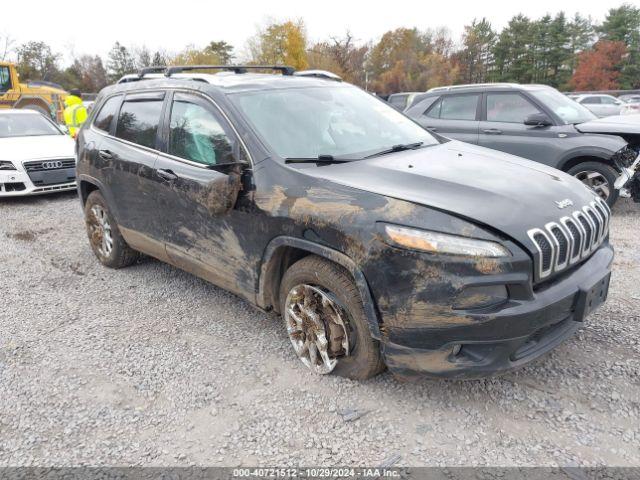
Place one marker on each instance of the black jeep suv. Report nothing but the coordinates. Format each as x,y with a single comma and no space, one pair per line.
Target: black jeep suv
380,243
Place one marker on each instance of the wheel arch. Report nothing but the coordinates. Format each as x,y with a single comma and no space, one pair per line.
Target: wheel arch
87,184
576,158
284,251
85,187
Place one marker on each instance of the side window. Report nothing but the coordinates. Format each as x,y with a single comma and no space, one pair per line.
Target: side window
5,79
591,101
398,101
138,121
434,110
196,134
508,107
608,100
459,107
106,114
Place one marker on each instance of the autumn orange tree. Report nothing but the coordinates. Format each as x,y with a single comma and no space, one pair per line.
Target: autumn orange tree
599,68
281,43
407,59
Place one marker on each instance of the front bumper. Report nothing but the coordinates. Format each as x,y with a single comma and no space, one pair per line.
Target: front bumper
16,183
499,340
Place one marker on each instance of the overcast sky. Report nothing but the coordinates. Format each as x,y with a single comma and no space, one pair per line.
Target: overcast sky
93,26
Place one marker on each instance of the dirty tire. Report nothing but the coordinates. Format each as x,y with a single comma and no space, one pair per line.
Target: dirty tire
606,171
365,359
121,254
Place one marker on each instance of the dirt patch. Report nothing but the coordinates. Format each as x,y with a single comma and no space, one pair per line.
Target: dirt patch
27,235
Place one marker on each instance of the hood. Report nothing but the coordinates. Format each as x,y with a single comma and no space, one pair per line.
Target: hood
19,149
72,100
485,186
616,125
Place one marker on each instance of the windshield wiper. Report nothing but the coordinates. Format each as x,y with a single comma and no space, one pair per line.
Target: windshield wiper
397,148
320,159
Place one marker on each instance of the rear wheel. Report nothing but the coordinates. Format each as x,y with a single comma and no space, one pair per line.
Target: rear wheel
104,235
325,320
600,177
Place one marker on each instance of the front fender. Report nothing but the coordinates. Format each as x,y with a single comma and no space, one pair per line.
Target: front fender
601,153
270,261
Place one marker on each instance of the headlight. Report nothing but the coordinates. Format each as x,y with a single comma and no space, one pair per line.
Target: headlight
6,165
625,156
426,241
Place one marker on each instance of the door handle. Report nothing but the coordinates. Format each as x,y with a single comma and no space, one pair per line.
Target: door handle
105,154
166,174
492,131
432,129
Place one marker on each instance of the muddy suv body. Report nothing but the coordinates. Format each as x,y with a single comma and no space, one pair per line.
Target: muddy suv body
413,257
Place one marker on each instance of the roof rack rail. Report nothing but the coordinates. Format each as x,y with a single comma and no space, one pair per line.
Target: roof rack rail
318,74
284,69
469,85
154,69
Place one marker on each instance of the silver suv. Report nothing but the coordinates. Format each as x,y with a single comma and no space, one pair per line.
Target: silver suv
535,122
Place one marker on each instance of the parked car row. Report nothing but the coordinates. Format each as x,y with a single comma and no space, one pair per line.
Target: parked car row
603,105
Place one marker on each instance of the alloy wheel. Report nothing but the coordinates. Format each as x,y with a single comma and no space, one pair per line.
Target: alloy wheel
100,231
318,327
596,181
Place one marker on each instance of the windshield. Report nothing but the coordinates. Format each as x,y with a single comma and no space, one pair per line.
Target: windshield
26,125
339,121
567,109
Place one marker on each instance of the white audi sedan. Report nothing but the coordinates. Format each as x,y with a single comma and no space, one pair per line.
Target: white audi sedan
35,155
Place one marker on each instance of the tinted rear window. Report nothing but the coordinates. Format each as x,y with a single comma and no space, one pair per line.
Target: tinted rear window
107,112
455,107
459,107
138,121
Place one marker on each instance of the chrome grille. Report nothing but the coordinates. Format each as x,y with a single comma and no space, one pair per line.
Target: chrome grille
576,238
563,243
587,229
573,238
49,164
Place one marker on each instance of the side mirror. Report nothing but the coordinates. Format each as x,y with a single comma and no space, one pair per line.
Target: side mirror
538,120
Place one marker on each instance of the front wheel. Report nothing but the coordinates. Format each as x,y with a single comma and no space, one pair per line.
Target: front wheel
325,320
599,177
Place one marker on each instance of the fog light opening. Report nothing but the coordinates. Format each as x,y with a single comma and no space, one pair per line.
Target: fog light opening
456,350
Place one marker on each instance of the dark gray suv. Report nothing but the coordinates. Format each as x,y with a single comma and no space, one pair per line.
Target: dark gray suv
535,122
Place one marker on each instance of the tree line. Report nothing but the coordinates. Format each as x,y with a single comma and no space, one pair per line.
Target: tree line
574,53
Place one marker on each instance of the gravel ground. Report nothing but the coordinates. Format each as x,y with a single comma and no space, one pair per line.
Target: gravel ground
151,366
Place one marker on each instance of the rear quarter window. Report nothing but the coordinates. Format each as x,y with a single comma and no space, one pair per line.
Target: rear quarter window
139,120
107,112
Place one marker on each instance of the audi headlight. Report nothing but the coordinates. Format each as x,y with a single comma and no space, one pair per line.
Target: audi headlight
6,165
434,242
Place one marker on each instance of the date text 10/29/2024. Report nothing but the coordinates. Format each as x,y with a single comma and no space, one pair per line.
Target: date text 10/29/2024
319,472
